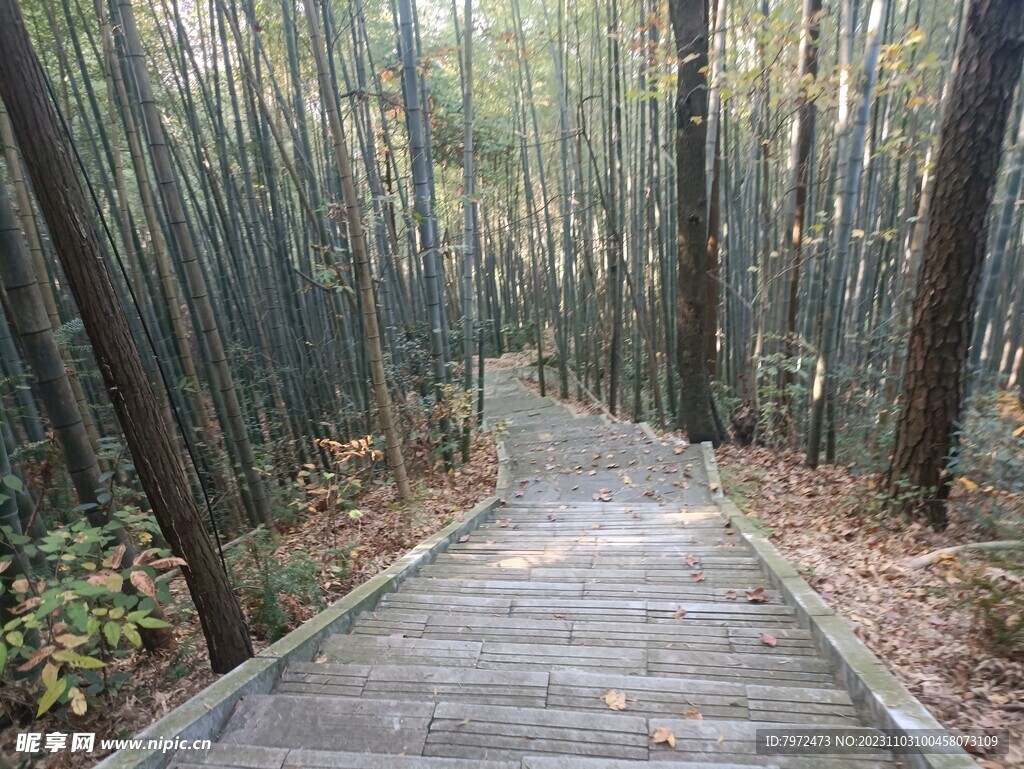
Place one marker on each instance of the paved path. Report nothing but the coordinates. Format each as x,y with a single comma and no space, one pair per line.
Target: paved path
609,568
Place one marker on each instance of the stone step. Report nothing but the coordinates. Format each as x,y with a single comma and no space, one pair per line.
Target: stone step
713,588
346,724
415,682
687,634
562,762
739,612
633,545
622,574
601,525
461,730
774,667
573,690
467,627
652,565
230,756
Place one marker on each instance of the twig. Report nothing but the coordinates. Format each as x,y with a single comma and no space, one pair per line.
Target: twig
927,560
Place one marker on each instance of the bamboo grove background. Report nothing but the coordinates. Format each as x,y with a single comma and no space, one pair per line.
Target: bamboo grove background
205,133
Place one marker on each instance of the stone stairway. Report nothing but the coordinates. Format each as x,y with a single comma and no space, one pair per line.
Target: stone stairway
609,569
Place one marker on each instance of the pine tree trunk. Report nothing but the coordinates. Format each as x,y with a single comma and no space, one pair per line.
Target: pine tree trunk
49,160
988,67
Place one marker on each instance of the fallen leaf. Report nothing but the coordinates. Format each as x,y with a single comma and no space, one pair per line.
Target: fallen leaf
464,538
730,595
769,640
698,576
693,713
663,735
615,700
691,560
757,595
680,613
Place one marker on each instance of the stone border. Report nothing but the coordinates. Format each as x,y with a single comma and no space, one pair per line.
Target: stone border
887,702
205,714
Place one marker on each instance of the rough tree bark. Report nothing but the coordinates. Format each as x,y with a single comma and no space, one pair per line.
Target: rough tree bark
77,242
988,66
696,410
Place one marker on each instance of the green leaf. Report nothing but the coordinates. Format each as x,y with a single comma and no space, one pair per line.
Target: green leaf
13,482
3,655
79,615
132,635
51,695
112,632
151,622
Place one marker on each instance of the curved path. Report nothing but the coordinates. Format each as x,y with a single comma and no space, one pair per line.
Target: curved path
608,600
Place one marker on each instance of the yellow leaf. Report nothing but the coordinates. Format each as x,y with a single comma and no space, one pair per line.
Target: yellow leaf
70,641
663,735
51,695
967,483
78,660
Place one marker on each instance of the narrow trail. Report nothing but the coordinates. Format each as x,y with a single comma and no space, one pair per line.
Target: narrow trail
609,567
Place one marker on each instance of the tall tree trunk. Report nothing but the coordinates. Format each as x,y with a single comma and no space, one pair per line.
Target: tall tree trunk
696,408
801,149
988,66
77,241
469,206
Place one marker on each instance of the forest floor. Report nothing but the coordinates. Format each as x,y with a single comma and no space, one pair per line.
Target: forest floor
952,631
929,625
317,558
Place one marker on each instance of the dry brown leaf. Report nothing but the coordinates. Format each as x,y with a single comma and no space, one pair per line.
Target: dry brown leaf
167,563
730,595
769,640
143,583
615,700
680,613
757,595
663,735
694,714
118,554
698,576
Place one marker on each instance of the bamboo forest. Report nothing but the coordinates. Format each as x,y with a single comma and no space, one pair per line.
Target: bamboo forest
292,288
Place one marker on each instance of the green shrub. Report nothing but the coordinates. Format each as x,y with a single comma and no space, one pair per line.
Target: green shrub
69,617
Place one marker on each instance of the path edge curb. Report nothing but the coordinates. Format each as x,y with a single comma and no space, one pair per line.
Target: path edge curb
883,697
205,714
